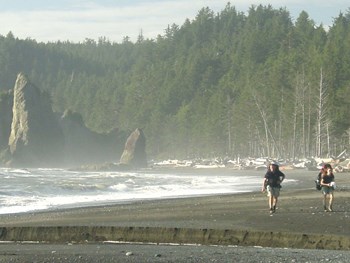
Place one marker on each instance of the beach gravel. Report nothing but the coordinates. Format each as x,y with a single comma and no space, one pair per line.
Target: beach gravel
94,253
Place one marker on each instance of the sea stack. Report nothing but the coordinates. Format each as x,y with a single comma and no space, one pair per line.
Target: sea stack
36,139
134,154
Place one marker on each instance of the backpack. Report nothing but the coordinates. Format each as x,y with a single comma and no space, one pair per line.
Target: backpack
318,182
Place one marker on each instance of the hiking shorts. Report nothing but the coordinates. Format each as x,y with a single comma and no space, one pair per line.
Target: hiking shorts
327,190
273,191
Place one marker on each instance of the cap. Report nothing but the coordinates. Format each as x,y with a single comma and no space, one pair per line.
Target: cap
274,163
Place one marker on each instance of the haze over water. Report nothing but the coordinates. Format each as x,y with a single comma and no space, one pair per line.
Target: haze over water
27,190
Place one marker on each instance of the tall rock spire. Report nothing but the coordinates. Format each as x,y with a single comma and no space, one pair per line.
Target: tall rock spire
36,138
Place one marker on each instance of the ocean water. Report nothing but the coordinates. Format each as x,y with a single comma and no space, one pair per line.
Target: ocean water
27,190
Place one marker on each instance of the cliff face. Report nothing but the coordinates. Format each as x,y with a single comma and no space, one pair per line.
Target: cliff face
36,138
82,146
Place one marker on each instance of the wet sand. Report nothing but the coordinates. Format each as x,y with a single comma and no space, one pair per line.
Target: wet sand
224,220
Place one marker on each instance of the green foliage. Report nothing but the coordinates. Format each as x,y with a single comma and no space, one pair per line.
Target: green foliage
222,84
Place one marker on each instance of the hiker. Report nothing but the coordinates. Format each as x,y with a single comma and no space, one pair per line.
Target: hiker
327,187
272,184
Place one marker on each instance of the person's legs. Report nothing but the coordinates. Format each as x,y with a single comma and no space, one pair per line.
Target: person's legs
330,205
270,201
276,194
273,193
270,196
325,202
325,192
274,205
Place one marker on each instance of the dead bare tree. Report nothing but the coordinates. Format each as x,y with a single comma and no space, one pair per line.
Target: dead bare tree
263,116
299,117
321,116
268,133
295,118
229,128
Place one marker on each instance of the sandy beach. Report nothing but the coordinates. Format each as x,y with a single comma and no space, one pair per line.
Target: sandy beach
238,222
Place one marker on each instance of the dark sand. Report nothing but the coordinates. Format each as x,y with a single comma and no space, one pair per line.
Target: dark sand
227,226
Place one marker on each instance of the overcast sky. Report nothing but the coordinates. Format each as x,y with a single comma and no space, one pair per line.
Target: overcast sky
76,20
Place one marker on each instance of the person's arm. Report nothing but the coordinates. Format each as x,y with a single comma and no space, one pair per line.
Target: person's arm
321,181
281,177
263,188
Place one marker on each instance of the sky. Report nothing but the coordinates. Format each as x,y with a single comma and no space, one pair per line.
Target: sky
78,20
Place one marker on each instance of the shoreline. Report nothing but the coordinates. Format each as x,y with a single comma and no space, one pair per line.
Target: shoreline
229,219
39,204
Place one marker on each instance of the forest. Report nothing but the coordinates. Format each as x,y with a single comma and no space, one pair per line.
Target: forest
223,84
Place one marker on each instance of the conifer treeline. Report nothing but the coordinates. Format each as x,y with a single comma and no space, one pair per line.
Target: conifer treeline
227,83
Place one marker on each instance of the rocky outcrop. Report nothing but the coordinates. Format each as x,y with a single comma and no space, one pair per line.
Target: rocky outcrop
134,153
36,138
32,135
6,104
